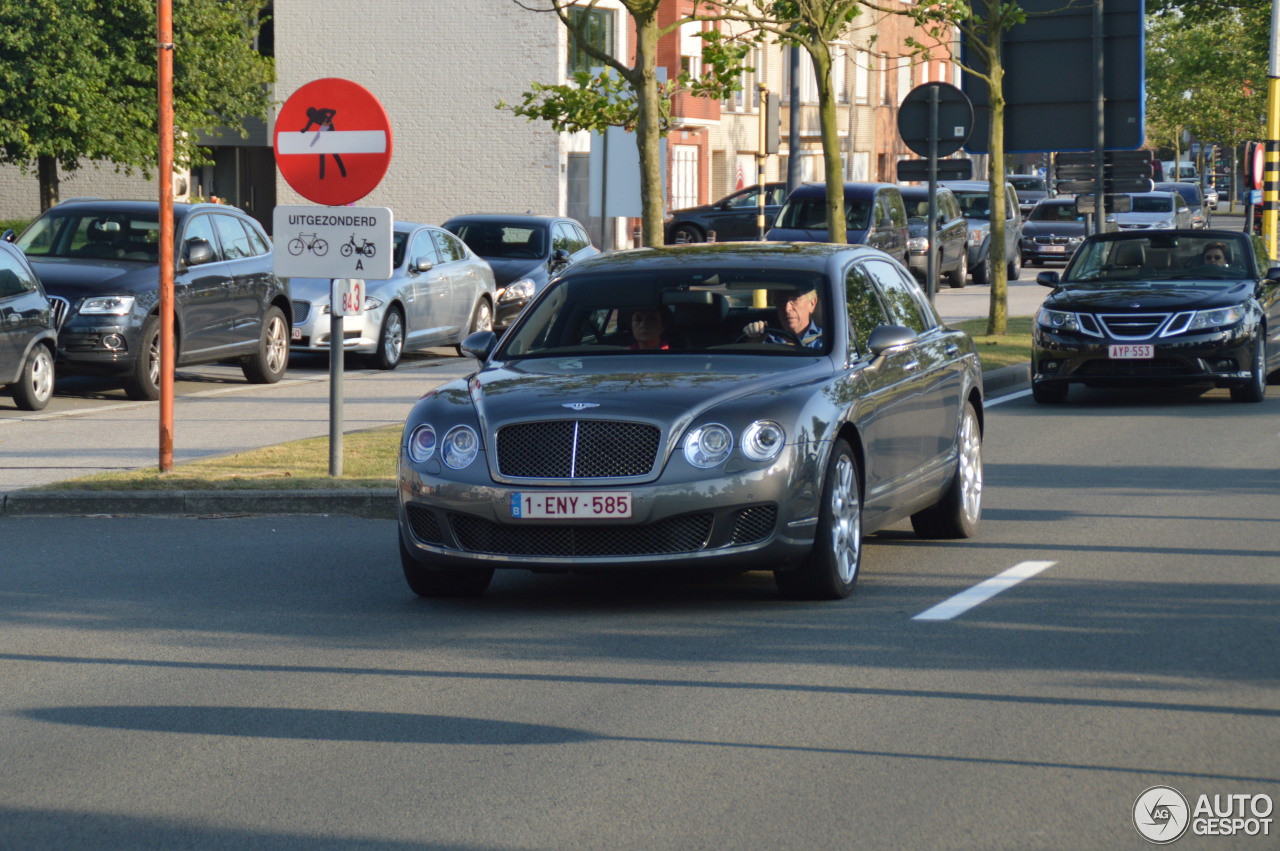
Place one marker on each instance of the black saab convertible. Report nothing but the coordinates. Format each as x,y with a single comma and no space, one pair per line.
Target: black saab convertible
745,406
1159,307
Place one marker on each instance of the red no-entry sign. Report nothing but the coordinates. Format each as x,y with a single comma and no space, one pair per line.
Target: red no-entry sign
333,141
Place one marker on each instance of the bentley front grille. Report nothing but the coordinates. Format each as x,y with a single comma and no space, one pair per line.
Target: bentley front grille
577,449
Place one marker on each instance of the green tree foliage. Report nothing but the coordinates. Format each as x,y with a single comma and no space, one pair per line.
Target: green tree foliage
78,81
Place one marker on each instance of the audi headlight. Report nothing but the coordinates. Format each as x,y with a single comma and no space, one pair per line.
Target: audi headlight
918,243
708,445
763,440
107,305
1058,320
516,290
460,446
1216,318
422,444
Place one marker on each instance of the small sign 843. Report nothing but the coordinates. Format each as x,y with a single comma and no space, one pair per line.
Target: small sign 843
347,298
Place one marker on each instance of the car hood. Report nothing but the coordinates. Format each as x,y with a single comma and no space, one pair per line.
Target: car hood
505,271
1053,228
1146,298
1144,218
76,279
634,386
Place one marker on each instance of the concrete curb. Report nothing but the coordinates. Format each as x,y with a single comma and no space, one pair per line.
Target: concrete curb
370,504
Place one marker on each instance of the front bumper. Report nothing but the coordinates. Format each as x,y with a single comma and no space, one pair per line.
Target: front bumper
101,345
1223,358
507,311
1041,252
759,519
312,331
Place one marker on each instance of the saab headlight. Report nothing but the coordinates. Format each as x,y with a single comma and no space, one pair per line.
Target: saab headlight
422,444
107,305
1058,320
763,440
708,445
522,288
460,446
1217,318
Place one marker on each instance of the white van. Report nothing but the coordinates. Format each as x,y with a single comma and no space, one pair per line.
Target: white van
1186,170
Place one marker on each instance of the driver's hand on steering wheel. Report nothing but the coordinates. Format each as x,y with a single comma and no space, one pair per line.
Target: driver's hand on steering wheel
754,331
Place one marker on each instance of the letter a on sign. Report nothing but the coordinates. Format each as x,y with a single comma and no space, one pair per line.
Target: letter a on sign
333,141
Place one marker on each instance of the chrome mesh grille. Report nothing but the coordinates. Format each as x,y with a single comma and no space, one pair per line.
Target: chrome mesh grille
301,312
1052,240
1132,326
61,307
754,524
577,449
685,534
424,525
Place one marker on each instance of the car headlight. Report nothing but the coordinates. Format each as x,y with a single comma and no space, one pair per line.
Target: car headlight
107,305
460,447
522,288
1216,318
708,445
1058,320
976,235
918,243
422,444
1163,223
371,303
763,440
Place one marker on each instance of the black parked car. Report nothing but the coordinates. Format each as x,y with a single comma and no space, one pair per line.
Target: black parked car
952,234
733,218
524,251
28,332
1030,190
874,215
1159,307
101,260
755,406
1053,230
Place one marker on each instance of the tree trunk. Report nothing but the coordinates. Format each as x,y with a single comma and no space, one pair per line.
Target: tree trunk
833,167
47,169
997,318
648,132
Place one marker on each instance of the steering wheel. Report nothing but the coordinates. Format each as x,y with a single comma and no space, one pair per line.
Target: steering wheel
791,337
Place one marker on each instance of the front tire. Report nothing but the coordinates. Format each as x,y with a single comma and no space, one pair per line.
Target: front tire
481,320
1015,266
1256,389
267,366
1049,392
959,511
686,233
142,382
443,583
830,570
982,272
34,386
956,277
390,341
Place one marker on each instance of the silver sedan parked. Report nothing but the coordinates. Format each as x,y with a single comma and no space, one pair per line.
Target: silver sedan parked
438,293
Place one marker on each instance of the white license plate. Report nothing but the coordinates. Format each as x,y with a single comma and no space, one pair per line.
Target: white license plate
297,334
577,505
1054,249
1140,352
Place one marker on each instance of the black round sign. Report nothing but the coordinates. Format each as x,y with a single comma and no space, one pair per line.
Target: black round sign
955,119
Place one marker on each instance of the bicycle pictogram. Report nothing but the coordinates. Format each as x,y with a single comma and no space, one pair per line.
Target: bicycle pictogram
365,248
311,242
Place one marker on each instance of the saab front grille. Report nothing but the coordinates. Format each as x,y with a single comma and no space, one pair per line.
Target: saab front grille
577,449
685,534
1132,326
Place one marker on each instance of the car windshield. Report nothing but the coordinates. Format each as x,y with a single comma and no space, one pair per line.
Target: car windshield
974,205
1155,257
496,241
1055,213
811,213
691,310
1149,204
1034,184
95,234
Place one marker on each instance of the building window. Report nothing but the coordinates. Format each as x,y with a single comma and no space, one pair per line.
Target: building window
597,27
691,48
861,76
882,71
684,176
904,78
839,61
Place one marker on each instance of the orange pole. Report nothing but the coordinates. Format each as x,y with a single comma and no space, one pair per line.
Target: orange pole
164,59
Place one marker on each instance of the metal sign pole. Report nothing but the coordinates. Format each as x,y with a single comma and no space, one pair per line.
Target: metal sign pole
931,274
335,382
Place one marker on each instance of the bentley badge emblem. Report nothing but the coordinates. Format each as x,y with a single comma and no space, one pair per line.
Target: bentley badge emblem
580,406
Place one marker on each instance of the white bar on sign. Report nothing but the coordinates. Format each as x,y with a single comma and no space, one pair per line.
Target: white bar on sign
332,142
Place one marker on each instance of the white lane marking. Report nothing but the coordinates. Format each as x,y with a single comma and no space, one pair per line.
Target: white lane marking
332,142
983,591
991,403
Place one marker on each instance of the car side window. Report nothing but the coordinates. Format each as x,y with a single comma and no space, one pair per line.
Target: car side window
879,213
866,312
897,210
200,227
744,199
423,248
560,238
901,303
14,279
235,242
582,237
776,196
450,248
258,244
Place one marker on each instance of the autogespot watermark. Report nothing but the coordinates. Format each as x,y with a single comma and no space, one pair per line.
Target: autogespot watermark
1162,815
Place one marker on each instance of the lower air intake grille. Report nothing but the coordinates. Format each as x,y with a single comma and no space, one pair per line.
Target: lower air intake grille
686,534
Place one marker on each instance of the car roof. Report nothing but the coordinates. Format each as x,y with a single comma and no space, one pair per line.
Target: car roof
968,185
809,256
920,191
518,219
851,190
133,205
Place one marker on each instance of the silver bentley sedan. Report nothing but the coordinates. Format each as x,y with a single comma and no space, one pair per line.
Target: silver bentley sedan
753,406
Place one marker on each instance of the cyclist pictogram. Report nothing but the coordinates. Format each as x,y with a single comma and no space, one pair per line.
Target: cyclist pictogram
364,249
309,242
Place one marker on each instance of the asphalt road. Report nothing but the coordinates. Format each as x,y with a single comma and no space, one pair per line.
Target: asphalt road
271,683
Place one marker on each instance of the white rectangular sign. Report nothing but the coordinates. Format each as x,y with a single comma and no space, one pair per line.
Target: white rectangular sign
333,242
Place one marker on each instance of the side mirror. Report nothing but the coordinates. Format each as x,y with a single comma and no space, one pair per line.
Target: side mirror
479,345
1048,279
421,264
1273,274
9,235
559,259
887,337
197,251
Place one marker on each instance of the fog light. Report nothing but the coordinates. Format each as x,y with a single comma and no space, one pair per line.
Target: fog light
1049,366
114,342
1224,365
